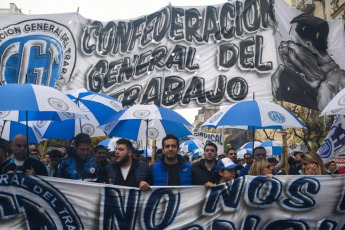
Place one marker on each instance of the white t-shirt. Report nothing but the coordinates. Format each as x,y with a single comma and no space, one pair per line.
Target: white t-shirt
124,172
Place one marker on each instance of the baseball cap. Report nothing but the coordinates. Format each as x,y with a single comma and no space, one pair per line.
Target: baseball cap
226,163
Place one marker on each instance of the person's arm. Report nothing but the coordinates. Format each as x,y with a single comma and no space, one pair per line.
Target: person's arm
281,164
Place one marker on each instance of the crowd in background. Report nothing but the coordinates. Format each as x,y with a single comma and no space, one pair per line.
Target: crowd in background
127,166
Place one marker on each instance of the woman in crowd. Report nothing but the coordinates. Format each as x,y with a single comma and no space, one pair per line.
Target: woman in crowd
260,168
312,164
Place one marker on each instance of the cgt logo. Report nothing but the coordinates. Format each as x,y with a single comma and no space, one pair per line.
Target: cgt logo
36,51
43,206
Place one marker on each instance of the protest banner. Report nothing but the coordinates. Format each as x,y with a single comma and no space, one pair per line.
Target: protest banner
250,202
177,57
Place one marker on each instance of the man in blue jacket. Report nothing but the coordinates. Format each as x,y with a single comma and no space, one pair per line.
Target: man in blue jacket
171,169
81,165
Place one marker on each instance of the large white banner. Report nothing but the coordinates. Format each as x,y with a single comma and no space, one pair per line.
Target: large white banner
285,202
177,57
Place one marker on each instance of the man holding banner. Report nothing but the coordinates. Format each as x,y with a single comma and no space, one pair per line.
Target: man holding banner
125,170
171,169
203,171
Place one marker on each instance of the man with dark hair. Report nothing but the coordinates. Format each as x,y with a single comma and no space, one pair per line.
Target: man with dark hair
295,163
54,157
81,166
203,171
232,154
100,154
125,170
35,153
259,153
22,162
171,169
248,159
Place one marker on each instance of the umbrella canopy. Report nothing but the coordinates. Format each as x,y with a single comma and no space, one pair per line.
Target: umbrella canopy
190,145
274,147
109,143
254,115
100,105
28,97
240,152
249,145
141,122
336,105
67,129
136,129
9,129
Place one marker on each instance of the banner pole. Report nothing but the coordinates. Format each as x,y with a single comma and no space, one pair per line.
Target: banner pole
286,160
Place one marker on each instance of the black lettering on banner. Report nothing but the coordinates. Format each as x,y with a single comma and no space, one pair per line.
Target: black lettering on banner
158,56
262,67
237,88
93,28
110,78
176,30
228,55
196,89
122,37
215,96
152,92
95,77
173,89
251,16
136,33
148,29
211,24
162,24
106,38
131,95
193,24
227,14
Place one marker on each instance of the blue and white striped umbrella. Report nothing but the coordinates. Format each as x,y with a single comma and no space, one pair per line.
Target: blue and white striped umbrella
241,151
9,129
28,97
191,145
249,145
100,105
109,143
274,147
254,115
134,122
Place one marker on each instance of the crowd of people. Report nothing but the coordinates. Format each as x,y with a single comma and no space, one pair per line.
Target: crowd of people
126,166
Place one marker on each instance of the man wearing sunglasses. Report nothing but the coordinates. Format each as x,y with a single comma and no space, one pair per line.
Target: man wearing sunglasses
22,162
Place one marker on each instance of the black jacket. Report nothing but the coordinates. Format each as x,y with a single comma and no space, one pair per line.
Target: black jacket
201,175
140,169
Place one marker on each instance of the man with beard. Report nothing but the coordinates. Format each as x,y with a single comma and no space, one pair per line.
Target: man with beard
125,170
203,171
171,169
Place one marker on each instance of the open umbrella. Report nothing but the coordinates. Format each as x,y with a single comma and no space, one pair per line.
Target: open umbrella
249,145
9,129
100,105
251,115
191,145
96,107
274,147
241,151
109,143
36,98
143,122
254,115
336,105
